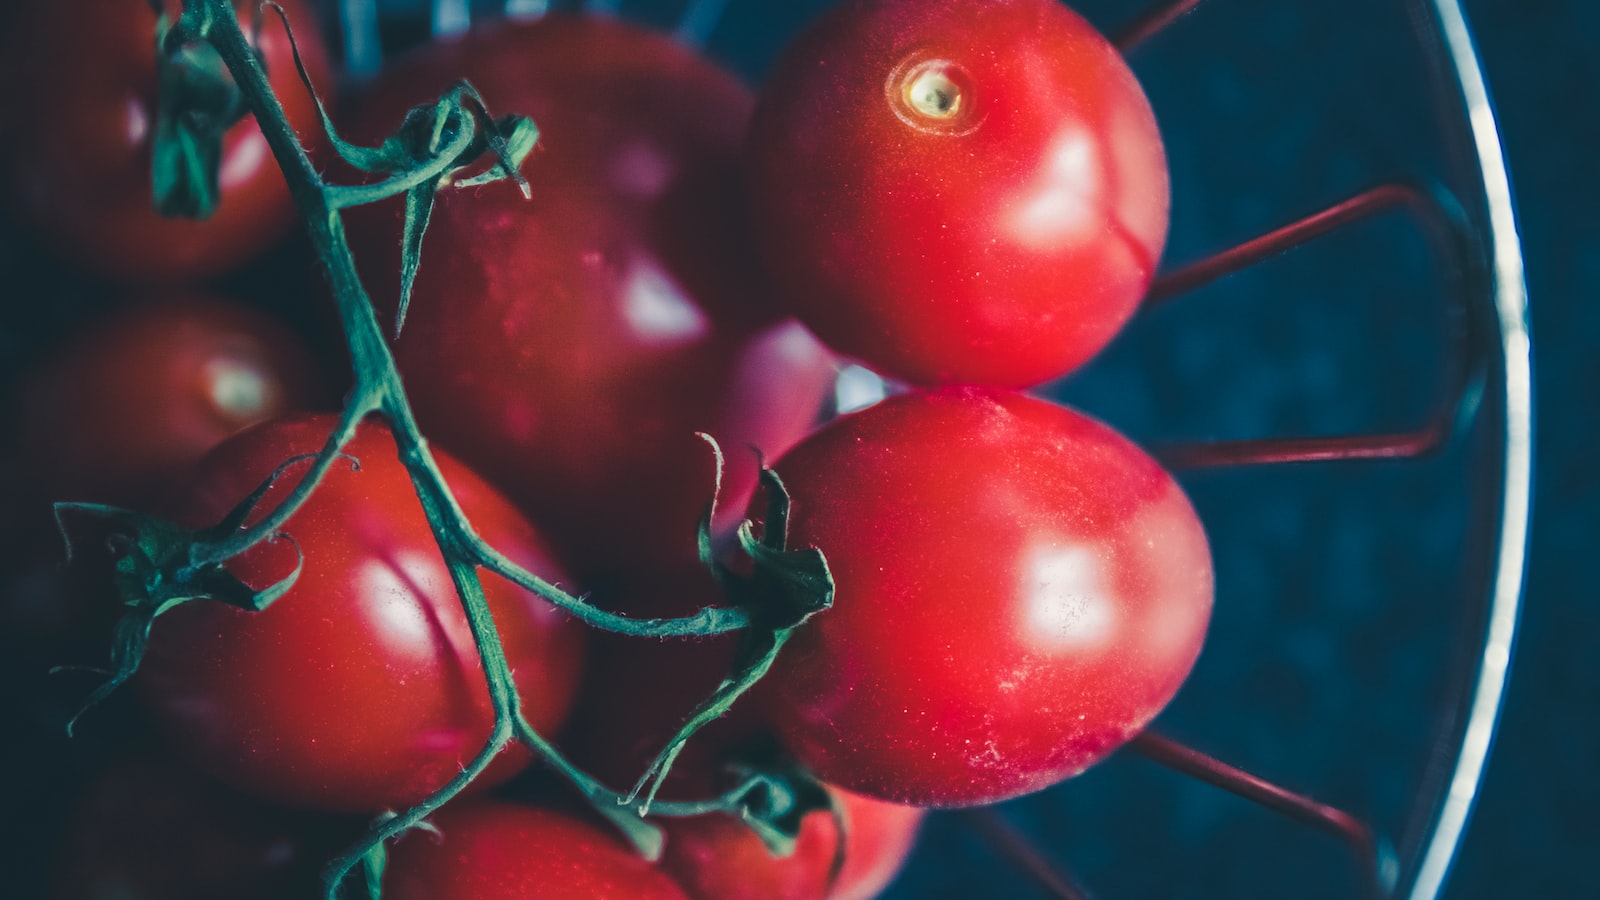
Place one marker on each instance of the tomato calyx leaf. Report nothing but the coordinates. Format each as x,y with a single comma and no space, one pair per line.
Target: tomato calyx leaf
458,131
789,585
774,803
153,575
197,102
705,543
373,864
438,145
426,128
785,589
510,141
775,815
138,546
786,586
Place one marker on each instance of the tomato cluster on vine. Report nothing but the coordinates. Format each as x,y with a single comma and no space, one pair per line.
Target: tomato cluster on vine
953,597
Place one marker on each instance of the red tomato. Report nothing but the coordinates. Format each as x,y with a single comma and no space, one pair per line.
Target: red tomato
360,689
78,165
958,191
569,347
150,831
114,416
500,851
1019,591
719,858
137,397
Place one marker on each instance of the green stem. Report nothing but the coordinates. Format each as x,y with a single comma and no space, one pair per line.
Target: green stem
708,621
338,868
502,694
377,379
646,838
378,389
346,196
713,707
203,554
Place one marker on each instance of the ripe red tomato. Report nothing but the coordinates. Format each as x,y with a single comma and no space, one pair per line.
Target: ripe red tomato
1019,591
360,689
569,347
719,858
114,416
137,397
77,167
958,191
500,851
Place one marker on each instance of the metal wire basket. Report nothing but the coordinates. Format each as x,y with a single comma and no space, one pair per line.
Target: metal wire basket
1475,438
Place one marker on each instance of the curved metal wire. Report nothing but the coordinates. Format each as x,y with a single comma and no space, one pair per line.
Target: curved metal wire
1508,291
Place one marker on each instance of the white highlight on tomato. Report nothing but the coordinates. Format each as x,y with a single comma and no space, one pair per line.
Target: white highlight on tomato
237,388
1063,204
394,585
136,119
1068,603
659,310
857,387
248,155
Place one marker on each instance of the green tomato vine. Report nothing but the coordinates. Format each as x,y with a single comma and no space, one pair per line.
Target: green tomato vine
440,146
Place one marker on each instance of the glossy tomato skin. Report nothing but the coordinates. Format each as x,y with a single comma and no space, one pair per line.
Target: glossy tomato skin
115,415
569,347
1019,591
77,167
360,689
717,857
958,191
501,851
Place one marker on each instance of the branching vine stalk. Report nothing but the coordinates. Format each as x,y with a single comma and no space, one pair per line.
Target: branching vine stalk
169,565
378,387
